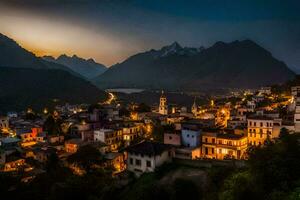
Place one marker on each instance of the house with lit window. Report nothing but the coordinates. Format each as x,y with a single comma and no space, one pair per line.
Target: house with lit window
72,145
147,156
131,132
111,137
223,145
261,127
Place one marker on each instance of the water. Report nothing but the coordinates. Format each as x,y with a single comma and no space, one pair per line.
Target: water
125,90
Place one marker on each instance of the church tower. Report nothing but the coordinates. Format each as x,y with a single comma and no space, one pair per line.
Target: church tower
163,107
194,108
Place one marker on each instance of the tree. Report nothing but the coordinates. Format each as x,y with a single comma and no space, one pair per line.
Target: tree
86,157
53,126
240,185
142,107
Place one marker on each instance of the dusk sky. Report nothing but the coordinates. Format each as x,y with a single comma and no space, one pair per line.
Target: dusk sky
111,30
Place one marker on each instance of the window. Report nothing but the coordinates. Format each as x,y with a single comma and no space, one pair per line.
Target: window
254,123
138,162
205,139
131,161
206,150
213,140
170,137
148,163
212,150
261,124
187,135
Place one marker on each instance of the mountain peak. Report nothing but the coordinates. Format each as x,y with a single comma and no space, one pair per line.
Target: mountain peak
170,49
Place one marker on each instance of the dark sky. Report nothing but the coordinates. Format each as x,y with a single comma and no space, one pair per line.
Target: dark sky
111,30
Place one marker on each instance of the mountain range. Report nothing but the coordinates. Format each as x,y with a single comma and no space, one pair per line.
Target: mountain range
26,80
87,68
238,64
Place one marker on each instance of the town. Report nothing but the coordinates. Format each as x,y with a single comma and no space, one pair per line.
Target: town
137,138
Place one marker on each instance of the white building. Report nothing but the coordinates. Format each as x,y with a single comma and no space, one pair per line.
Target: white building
146,156
163,106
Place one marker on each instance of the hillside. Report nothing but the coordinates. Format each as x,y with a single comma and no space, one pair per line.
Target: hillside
26,80
22,88
13,55
87,68
239,64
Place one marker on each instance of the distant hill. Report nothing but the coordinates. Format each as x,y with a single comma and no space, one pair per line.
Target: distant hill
13,55
239,64
26,80
87,68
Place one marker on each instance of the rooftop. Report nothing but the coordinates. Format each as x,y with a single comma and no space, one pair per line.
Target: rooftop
148,148
230,136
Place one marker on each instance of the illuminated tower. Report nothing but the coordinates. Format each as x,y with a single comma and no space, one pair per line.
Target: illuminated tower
194,107
163,107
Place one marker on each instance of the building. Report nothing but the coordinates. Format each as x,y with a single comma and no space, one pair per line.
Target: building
110,137
172,139
261,127
72,145
55,139
163,106
297,113
265,90
4,123
116,161
223,146
190,137
147,156
131,132
9,143
189,153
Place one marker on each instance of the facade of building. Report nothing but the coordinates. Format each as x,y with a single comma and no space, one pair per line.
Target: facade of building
110,137
172,139
147,156
72,145
131,132
261,127
222,146
188,153
190,138
297,112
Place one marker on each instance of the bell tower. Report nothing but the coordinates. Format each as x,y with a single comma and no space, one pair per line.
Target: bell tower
163,107
194,108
